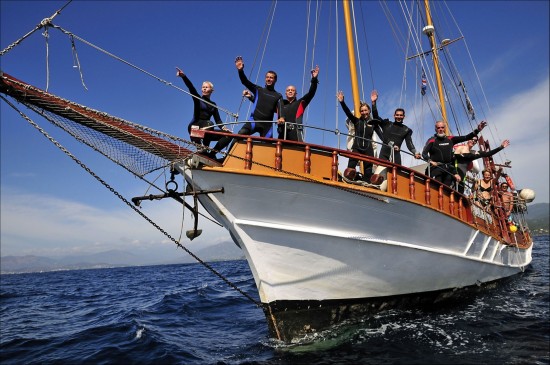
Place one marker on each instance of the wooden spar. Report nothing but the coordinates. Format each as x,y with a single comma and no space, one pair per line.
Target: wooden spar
429,31
351,56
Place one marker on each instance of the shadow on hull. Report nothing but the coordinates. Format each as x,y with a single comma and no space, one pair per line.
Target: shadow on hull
292,321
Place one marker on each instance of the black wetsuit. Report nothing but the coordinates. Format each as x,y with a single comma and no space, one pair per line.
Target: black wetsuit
440,150
202,112
393,134
362,142
266,101
294,113
463,159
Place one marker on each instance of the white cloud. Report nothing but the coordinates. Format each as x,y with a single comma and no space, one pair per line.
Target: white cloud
524,120
46,225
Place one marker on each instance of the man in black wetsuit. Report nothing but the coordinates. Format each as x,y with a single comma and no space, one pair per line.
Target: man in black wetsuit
203,109
267,102
463,159
438,151
393,133
293,110
362,143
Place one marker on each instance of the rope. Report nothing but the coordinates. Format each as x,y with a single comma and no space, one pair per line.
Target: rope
75,55
267,29
47,36
270,21
305,74
42,24
357,51
308,15
367,45
129,204
167,83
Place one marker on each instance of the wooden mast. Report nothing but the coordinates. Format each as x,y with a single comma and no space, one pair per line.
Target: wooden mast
351,56
429,30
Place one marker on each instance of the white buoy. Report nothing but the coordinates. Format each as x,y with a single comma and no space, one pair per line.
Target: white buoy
527,194
475,166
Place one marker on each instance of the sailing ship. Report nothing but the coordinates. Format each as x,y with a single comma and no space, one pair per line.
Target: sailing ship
322,249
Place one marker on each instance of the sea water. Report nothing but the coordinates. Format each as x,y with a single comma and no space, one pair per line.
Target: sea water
184,314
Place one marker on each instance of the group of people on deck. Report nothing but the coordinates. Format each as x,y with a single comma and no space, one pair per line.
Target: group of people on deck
446,163
267,102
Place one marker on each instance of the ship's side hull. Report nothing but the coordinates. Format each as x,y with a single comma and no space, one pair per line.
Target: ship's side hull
310,241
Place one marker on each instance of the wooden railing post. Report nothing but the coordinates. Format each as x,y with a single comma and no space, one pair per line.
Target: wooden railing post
248,156
394,180
440,197
278,156
411,185
307,160
427,192
452,202
334,169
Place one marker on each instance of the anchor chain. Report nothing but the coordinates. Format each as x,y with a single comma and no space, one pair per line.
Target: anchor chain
128,203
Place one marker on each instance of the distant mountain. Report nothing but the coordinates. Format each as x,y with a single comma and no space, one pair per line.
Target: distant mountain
112,258
538,218
218,252
538,211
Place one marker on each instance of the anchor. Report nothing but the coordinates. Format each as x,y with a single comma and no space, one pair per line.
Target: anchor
172,192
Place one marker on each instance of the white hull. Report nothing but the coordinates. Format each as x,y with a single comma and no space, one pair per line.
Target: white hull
307,241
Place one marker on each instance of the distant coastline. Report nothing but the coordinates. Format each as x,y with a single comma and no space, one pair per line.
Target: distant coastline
538,219
111,259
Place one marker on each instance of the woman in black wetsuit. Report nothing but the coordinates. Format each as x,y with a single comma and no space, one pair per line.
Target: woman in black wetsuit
203,110
364,129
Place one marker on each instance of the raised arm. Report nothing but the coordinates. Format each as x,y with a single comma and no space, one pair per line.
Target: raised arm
312,87
474,156
187,82
239,63
373,99
480,126
345,108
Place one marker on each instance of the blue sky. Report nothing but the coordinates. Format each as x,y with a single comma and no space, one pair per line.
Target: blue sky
50,206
